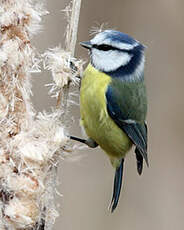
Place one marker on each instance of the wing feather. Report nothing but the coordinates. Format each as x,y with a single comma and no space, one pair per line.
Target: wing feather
136,130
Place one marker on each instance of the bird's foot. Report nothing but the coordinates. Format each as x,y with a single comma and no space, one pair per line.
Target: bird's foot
89,142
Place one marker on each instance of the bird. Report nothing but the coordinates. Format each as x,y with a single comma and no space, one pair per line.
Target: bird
113,101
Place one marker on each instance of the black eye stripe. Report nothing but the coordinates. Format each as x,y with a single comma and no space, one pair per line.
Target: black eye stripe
104,47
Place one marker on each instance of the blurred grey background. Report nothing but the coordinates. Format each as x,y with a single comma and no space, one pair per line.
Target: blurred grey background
156,199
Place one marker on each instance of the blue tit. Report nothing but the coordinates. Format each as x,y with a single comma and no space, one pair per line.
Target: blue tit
113,102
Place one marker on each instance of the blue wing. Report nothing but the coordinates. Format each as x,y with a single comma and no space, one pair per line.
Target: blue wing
136,130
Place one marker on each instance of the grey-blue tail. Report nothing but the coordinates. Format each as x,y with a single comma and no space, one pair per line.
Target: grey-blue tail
117,186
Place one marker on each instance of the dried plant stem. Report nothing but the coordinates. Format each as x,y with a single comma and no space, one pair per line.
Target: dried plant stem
71,38
73,27
29,144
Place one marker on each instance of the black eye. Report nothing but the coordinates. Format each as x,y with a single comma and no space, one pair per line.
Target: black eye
103,47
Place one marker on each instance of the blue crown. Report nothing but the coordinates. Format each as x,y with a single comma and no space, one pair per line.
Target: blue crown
118,36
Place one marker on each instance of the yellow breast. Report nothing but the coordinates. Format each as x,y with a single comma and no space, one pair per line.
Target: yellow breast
94,116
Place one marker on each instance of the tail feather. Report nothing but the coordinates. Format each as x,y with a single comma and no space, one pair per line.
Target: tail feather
117,186
139,159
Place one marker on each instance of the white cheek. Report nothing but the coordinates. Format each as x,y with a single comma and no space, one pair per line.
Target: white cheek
109,60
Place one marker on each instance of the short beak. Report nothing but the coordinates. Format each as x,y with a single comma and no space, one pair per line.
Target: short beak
86,45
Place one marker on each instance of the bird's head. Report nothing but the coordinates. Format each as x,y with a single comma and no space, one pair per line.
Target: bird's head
116,53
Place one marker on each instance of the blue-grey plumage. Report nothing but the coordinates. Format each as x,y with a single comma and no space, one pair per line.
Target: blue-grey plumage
113,100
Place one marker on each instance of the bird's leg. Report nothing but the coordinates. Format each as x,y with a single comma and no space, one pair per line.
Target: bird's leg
89,142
